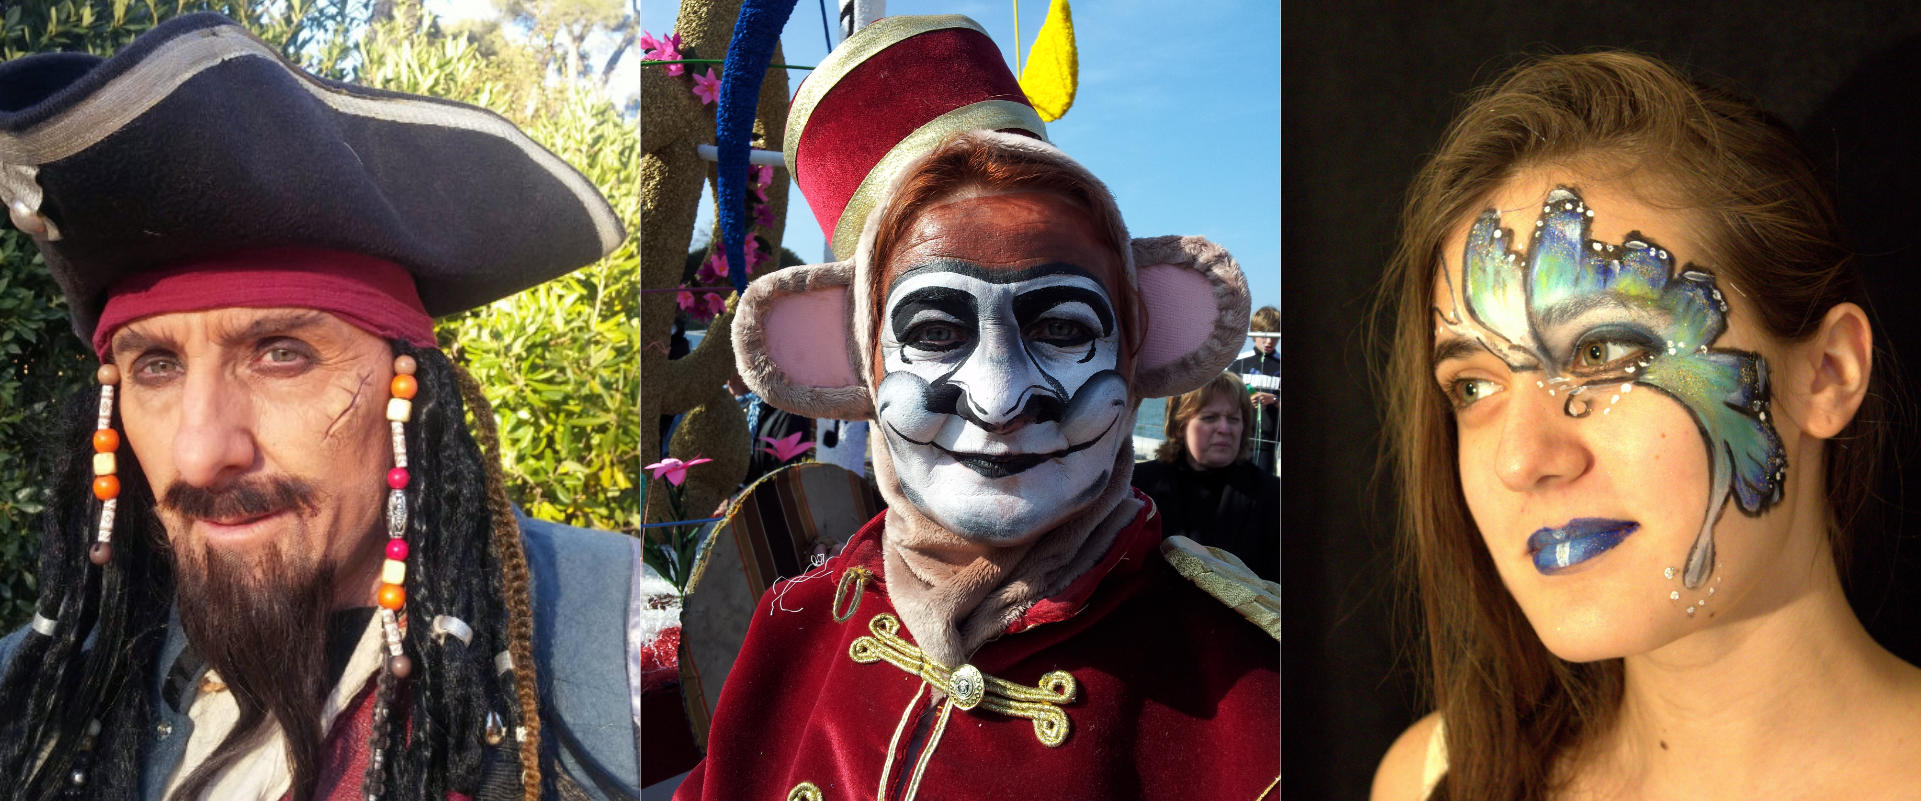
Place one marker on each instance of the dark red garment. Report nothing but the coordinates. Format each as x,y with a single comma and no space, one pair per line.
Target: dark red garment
1179,696
343,757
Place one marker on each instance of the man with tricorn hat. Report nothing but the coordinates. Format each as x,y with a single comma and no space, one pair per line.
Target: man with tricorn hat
276,563
1014,625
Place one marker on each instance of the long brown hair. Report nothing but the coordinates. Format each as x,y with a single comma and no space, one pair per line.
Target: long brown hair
1513,711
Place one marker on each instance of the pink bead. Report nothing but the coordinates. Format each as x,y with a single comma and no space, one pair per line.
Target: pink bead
397,550
397,478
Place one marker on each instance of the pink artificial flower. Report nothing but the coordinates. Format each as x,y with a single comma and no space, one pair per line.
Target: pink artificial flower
716,303
666,48
707,87
718,263
705,274
786,447
764,215
753,253
763,177
686,301
674,470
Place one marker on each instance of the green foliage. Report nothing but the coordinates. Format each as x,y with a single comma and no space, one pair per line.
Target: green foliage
559,362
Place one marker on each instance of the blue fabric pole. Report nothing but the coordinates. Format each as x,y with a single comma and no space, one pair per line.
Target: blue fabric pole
756,32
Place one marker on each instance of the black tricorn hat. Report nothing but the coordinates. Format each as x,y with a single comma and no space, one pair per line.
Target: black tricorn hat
199,140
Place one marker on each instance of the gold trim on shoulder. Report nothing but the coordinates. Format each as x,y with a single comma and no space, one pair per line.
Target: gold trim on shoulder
992,115
1224,576
1039,703
858,576
805,791
877,36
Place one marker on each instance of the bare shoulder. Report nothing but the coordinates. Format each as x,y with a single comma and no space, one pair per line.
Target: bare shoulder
1400,774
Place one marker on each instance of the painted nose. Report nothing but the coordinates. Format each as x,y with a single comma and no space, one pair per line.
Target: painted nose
1540,444
1000,386
214,442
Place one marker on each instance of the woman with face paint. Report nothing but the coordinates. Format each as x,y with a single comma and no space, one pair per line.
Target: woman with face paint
1637,412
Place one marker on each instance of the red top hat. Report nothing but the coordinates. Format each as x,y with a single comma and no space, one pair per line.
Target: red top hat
891,92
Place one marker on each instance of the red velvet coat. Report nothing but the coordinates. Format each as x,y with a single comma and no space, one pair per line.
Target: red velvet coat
1178,696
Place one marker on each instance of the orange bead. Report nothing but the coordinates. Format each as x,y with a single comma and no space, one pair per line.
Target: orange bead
404,386
393,596
106,440
106,488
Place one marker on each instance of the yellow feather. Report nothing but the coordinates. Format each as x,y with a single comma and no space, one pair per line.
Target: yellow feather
1052,70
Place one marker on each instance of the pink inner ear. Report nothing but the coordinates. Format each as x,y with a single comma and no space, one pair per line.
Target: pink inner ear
807,337
1181,311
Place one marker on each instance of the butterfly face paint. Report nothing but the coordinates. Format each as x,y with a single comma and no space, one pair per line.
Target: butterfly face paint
1001,402
1587,316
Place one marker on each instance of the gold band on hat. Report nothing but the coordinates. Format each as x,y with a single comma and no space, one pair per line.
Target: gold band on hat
990,115
865,44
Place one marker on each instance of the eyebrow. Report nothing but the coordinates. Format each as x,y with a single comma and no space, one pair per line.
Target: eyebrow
1031,304
1456,348
948,300
131,339
973,270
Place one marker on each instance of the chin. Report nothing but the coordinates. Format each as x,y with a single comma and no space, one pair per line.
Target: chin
1591,632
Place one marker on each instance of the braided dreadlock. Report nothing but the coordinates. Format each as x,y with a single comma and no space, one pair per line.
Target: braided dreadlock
76,703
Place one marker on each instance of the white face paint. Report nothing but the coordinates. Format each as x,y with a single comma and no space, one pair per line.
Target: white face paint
1001,402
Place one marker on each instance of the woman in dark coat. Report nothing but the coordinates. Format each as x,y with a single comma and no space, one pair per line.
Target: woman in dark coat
1204,485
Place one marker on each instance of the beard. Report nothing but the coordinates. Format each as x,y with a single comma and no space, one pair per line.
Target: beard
261,621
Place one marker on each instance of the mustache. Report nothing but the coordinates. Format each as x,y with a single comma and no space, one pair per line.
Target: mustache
239,500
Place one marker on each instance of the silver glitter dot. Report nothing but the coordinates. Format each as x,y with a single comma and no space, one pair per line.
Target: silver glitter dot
1690,611
1674,596
1710,590
1669,573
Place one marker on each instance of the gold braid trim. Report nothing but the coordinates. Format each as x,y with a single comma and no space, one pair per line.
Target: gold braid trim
967,687
805,791
858,576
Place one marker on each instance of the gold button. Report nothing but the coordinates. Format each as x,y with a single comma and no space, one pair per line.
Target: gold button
968,686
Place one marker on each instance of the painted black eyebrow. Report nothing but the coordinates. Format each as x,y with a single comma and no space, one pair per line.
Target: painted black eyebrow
1029,305
973,270
947,300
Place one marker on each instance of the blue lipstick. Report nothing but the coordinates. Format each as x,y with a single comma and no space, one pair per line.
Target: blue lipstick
1557,549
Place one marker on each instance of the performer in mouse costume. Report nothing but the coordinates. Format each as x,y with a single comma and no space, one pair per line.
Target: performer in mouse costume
1013,626
275,562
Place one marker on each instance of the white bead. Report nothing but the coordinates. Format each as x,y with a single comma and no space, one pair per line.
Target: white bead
393,572
103,464
399,409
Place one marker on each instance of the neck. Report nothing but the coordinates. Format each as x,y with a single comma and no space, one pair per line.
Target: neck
954,593
1731,711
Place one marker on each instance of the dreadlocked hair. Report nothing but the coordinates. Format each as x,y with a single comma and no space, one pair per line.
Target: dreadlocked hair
75,703
514,574
462,536
80,700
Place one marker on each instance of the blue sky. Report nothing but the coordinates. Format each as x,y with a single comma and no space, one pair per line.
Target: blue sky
1178,112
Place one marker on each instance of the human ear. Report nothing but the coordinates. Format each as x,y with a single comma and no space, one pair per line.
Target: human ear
794,342
1194,309
1834,366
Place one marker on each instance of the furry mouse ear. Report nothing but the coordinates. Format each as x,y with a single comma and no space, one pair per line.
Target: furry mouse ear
794,342
1194,309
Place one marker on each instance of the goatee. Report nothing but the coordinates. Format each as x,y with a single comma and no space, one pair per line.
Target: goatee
261,623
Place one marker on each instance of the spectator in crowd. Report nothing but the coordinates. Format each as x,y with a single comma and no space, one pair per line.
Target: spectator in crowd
1204,485
1262,372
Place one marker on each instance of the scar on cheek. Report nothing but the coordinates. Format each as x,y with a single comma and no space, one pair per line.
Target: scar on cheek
354,396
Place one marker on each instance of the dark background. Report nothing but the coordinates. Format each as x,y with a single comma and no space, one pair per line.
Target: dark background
1367,88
